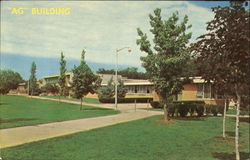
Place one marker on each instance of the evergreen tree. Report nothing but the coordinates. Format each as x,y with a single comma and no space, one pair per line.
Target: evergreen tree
32,80
84,80
62,77
165,64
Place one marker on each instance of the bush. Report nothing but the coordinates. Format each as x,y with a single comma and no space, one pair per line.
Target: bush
199,109
156,104
126,100
182,109
214,109
171,109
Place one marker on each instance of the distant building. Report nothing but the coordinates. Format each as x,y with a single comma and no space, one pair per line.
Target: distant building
196,90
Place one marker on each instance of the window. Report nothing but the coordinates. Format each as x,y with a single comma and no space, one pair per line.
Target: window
204,90
199,93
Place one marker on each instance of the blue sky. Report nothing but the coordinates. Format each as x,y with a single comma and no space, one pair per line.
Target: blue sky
99,27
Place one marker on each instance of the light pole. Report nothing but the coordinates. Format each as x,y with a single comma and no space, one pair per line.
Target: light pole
116,68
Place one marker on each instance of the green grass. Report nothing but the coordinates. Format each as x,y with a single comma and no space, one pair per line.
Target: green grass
146,139
21,111
87,100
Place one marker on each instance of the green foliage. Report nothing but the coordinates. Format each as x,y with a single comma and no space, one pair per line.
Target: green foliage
61,80
9,80
84,80
126,100
121,90
50,88
32,80
165,64
156,104
107,92
224,50
184,107
130,72
214,109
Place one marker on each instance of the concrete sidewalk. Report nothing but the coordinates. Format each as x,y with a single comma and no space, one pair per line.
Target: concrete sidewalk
20,135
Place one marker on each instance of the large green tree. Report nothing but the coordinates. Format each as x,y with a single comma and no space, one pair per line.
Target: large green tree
165,63
225,50
84,80
9,80
32,80
62,77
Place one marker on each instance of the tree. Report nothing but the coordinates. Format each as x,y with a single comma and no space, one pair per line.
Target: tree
121,90
50,88
84,80
61,80
32,79
165,64
9,80
107,92
225,50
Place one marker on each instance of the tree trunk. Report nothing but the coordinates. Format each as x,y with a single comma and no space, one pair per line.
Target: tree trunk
224,118
81,105
165,112
237,125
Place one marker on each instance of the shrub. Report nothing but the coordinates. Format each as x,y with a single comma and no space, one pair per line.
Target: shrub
214,109
156,104
171,109
125,100
199,109
182,108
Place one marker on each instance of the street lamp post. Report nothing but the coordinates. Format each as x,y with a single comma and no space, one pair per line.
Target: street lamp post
116,68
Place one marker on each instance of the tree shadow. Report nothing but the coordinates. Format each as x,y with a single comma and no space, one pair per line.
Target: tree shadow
245,119
231,133
16,120
189,118
231,156
3,103
242,119
95,109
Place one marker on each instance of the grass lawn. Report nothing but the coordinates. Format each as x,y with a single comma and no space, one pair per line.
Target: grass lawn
20,111
146,139
87,100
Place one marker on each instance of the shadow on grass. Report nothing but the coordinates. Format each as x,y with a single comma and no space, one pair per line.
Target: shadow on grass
16,120
3,103
189,118
231,156
231,133
95,109
243,119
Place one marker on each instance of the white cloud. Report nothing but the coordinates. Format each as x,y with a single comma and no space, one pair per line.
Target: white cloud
99,27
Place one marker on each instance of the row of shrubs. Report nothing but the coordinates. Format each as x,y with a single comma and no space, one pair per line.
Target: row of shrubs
182,108
126,100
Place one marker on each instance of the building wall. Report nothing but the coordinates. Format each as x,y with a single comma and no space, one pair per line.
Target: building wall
189,92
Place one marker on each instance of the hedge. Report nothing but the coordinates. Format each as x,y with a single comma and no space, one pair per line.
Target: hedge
214,109
182,108
125,100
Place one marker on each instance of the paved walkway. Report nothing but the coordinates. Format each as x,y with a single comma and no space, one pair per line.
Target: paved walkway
20,135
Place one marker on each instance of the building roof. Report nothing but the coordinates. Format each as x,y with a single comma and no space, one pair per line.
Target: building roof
57,75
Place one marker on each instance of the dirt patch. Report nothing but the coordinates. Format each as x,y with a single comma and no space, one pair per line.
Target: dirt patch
227,139
16,120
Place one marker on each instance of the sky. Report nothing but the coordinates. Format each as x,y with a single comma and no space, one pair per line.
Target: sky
99,27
